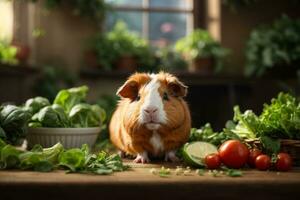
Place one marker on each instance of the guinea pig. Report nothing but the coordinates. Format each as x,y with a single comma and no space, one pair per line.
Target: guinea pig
152,118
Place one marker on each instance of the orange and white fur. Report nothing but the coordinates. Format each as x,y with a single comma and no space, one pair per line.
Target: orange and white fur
152,118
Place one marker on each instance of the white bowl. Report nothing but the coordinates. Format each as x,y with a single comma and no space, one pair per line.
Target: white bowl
68,137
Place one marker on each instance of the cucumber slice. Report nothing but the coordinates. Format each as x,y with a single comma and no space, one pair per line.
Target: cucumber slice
194,153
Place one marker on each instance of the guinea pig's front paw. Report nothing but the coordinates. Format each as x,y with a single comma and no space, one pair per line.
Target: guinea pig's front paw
171,156
142,158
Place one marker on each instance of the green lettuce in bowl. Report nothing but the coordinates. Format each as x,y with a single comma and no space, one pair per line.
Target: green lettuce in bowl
69,120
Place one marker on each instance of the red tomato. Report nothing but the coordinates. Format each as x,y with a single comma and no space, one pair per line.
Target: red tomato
284,162
252,156
263,162
213,161
233,153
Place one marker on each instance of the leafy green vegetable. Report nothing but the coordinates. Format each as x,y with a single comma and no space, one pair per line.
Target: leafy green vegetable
207,134
39,158
163,172
46,159
37,103
200,172
35,124
281,119
234,173
73,159
70,97
2,133
81,160
85,115
13,123
68,110
248,124
271,145
9,157
51,116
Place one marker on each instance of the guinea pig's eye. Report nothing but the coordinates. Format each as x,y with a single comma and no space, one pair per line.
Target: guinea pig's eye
165,96
138,97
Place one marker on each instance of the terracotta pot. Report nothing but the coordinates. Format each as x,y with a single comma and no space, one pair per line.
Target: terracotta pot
23,52
90,59
203,66
127,63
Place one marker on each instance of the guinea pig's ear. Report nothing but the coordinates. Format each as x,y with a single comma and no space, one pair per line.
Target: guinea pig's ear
177,88
128,90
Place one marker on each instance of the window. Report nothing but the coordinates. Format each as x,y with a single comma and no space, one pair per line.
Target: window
162,22
6,24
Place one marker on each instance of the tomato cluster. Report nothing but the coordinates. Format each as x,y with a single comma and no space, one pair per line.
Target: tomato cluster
235,154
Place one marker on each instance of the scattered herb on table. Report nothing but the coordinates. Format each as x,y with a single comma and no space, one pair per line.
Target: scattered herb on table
200,172
82,161
164,172
234,173
47,159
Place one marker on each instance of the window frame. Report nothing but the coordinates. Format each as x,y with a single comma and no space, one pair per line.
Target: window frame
194,14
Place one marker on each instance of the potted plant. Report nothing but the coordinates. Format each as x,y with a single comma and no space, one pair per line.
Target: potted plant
99,52
202,51
8,53
23,51
69,120
274,49
119,49
131,50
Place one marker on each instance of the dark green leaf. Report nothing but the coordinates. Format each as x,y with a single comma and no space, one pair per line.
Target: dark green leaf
43,166
234,173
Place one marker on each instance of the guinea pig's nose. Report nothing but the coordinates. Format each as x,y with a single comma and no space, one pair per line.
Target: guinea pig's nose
150,109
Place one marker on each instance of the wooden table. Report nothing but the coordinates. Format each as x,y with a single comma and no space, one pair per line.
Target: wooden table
139,183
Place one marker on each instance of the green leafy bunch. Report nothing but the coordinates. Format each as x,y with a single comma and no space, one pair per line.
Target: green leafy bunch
8,53
249,127
273,45
13,123
281,118
81,160
207,134
69,109
37,159
199,44
77,160
278,120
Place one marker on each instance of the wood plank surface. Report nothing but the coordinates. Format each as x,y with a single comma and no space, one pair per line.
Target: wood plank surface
139,183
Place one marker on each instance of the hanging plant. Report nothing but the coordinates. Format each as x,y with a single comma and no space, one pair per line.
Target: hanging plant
274,46
93,9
